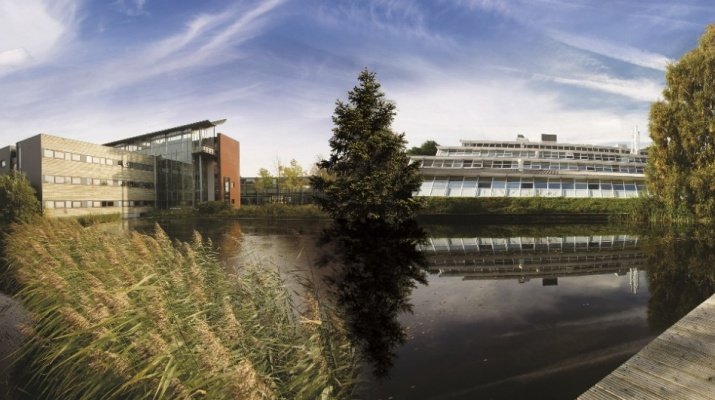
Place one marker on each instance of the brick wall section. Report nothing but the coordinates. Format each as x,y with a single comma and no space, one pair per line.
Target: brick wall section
229,168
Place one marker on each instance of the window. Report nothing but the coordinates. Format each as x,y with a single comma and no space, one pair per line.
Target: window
527,185
76,157
581,185
593,185
49,204
76,204
59,154
568,185
49,179
554,184
606,186
76,180
3,164
109,161
513,184
499,184
540,183
48,153
59,204
484,183
59,179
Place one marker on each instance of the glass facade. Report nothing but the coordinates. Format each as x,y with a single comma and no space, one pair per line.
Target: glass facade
524,169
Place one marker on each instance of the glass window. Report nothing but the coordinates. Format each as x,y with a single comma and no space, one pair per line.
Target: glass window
60,154
109,161
49,204
554,184
49,179
59,204
88,159
593,185
76,204
470,183
59,179
3,163
97,204
76,157
484,183
618,186
68,156
48,153
76,180
513,184
630,186
606,186
567,185
527,185
499,184
581,185
540,183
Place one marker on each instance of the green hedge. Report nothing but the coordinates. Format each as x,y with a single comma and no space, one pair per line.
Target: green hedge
532,205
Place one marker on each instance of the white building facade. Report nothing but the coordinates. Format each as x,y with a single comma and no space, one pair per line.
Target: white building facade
522,168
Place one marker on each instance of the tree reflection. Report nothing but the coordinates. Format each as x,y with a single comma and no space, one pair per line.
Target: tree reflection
378,266
681,275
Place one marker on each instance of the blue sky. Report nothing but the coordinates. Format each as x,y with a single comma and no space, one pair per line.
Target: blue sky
471,69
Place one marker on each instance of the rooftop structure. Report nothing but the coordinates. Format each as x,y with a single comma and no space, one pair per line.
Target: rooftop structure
520,168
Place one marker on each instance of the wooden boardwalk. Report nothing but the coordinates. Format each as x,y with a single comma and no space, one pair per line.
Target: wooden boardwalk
678,364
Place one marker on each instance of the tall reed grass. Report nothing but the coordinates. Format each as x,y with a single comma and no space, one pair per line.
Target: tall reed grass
139,317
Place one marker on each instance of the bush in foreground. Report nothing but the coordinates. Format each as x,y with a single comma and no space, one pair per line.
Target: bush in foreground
137,316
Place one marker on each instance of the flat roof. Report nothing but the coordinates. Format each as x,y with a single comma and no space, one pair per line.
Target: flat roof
193,126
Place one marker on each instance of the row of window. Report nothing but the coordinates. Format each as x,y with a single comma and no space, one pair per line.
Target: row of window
528,145
64,155
533,165
555,155
76,180
98,203
455,185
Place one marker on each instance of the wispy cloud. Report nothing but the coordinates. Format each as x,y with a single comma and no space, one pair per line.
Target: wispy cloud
132,8
620,52
640,89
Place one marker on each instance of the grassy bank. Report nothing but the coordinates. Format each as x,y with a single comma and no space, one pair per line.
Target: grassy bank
137,316
217,209
531,206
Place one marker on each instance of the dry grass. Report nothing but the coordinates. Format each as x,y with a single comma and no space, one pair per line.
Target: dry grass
137,316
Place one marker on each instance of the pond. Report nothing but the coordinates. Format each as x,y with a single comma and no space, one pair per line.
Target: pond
507,312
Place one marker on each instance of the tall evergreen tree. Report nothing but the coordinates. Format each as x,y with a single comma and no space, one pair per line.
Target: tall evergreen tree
368,175
681,170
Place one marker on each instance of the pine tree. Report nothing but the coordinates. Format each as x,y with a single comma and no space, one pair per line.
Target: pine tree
681,170
368,175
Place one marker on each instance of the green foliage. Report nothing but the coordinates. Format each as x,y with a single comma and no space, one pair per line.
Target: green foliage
139,317
681,163
94,219
264,180
17,199
276,210
369,175
291,176
428,148
535,205
213,207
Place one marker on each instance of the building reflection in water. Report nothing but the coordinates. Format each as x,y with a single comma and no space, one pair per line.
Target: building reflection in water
526,258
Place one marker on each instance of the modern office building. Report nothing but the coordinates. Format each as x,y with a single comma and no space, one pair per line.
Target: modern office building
177,167
520,168
194,164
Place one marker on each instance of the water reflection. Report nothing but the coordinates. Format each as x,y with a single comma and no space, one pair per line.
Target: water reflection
526,258
681,276
378,267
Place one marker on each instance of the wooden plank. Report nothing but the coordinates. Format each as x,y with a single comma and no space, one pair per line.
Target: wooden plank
678,364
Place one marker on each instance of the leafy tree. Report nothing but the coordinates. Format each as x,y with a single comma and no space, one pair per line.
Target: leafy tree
428,148
369,175
17,199
681,170
292,175
264,181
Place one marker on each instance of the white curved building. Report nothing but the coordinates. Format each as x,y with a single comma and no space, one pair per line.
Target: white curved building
520,168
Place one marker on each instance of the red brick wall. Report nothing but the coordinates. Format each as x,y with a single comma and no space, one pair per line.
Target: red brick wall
229,158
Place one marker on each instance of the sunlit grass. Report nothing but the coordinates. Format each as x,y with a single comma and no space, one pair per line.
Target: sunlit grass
137,316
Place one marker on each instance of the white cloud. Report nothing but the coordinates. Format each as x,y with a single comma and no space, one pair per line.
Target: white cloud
620,52
641,89
452,108
31,31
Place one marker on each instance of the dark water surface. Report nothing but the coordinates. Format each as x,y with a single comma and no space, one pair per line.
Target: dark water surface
508,312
